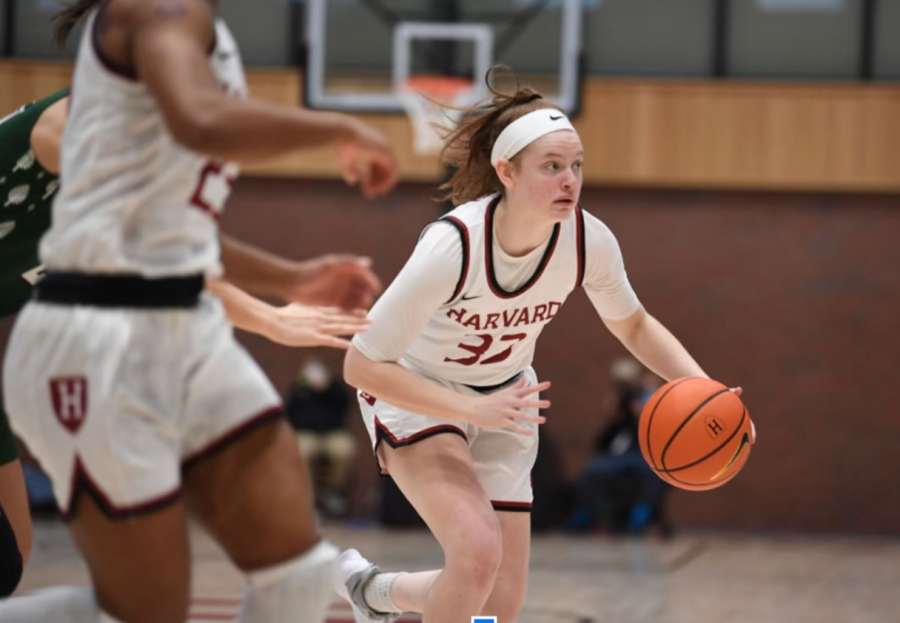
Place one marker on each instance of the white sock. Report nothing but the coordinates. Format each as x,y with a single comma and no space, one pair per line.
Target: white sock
377,592
296,590
62,604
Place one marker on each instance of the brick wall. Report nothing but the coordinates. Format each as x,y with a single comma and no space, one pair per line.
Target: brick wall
794,297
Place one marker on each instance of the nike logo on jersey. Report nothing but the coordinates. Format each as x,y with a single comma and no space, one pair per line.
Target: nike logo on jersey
552,118
470,298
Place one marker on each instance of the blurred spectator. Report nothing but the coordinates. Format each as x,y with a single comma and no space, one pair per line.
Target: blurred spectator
618,491
37,484
317,407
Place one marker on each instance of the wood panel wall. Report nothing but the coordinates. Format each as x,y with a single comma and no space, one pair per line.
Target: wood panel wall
662,133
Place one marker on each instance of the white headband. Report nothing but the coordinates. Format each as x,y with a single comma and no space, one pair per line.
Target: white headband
527,129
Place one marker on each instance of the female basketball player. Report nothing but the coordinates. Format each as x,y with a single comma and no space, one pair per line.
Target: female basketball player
29,169
121,375
447,389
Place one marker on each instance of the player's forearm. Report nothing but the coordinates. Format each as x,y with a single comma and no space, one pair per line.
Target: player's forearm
256,270
656,347
250,131
398,386
243,311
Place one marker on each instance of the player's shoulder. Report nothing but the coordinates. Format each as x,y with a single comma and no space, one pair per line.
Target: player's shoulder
471,215
20,121
9,119
594,226
601,247
162,8
36,106
446,233
196,14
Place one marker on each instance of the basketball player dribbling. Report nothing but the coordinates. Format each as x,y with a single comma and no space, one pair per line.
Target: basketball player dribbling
29,180
447,390
121,375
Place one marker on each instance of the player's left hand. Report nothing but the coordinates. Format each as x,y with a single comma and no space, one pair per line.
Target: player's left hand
344,281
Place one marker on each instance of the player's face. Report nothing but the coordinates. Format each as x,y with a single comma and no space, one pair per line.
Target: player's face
549,174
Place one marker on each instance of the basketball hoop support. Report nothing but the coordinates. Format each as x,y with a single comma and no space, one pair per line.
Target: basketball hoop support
422,96
404,33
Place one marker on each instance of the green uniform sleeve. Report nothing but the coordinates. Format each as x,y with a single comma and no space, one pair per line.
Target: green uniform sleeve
26,197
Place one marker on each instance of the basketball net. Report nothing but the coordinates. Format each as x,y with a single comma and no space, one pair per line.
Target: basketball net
422,97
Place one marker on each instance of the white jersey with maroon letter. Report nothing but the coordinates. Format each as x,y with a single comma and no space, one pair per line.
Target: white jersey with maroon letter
486,334
492,307
119,399
133,200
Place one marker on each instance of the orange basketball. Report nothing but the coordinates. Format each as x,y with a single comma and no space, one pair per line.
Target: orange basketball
695,433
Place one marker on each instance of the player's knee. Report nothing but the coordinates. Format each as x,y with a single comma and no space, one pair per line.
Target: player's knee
296,590
484,564
478,555
11,563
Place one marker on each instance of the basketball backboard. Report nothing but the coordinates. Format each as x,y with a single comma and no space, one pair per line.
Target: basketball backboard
358,52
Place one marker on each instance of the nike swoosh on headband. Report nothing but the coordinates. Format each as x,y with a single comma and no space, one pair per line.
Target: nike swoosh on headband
525,130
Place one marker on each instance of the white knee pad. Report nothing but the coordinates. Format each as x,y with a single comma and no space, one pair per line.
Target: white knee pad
296,590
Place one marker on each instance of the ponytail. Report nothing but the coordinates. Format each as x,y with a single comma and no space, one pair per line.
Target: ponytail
468,145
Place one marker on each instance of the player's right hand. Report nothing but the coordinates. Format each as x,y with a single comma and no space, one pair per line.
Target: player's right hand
306,325
506,408
367,159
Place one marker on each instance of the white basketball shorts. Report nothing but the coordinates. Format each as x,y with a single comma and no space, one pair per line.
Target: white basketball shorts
503,458
118,401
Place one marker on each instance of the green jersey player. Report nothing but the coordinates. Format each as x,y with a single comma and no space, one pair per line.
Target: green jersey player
29,160
28,184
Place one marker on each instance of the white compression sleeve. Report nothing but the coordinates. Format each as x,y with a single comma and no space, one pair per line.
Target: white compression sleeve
64,604
296,590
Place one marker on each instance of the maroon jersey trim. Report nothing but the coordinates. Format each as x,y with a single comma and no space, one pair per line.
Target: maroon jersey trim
229,437
579,280
82,483
464,238
512,507
125,73
215,40
489,255
396,442
383,434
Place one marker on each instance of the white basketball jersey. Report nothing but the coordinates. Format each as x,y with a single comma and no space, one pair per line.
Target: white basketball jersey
485,335
133,200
